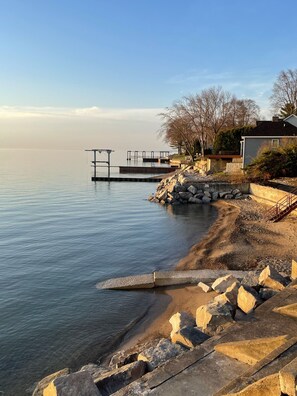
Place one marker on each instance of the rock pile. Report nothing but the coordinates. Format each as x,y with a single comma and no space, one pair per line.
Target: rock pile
233,298
187,332
188,187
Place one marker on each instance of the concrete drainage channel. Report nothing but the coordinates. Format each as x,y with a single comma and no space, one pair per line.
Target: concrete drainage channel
167,278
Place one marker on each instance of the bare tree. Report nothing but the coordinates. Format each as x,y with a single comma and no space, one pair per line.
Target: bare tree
177,130
202,116
284,92
244,112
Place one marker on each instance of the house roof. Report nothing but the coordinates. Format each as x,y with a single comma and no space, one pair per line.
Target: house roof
272,128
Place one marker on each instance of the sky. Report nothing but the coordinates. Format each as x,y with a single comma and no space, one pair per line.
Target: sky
93,73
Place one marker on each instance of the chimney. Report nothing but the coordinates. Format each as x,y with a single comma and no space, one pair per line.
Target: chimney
275,118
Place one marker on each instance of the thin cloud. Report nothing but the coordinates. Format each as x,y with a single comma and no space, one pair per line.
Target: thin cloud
94,112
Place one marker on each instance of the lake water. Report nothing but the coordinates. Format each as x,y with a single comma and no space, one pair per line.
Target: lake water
60,234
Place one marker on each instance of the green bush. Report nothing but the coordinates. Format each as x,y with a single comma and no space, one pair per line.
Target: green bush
229,140
276,162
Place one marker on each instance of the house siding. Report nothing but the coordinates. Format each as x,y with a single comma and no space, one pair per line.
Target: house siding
253,145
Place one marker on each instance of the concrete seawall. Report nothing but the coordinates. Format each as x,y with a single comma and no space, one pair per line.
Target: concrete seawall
267,195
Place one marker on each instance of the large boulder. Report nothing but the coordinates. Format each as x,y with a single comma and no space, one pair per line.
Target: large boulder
232,293
251,279
188,336
163,351
180,320
204,287
247,299
269,277
186,195
214,317
206,199
224,299
161,195
265,293
215,195
192,189
94,369
111,381
121,358
194,200
76,384
221,284
42,384
179,188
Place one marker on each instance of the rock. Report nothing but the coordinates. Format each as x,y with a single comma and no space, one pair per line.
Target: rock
235,191
247,299
121,358
214,317
204,287
161,195
192,190
185,195
195,200
171,187
42,384
94,369
265,293
238,196
223,299
221,284
178,188
251,279
215,195
232,293
76,384
206,199
110,382
180,320
269,277
207,194
228,196
188,336
294,270
155,356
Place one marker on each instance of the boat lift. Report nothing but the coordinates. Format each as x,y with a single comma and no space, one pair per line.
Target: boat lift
95,162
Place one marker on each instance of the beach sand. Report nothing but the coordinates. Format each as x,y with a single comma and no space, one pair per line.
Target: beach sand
239,239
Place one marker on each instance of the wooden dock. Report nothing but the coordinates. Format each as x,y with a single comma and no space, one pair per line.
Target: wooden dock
128,179
147,169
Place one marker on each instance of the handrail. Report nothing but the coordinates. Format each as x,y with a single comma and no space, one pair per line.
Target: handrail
281,206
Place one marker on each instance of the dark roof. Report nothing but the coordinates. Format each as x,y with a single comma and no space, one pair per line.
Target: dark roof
272,128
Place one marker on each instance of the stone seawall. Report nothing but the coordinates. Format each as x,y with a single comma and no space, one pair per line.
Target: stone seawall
188,187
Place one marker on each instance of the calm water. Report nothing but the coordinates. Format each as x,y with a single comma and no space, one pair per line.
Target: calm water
59,235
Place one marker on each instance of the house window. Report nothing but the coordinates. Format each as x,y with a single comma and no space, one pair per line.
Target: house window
275,143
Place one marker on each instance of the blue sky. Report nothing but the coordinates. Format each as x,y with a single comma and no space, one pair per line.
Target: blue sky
104,69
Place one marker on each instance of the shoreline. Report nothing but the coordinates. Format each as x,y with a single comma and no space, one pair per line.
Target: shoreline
238,239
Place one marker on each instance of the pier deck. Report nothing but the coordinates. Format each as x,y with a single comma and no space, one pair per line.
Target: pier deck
128,179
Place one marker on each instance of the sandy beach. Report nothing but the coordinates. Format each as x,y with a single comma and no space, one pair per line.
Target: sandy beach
239,239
